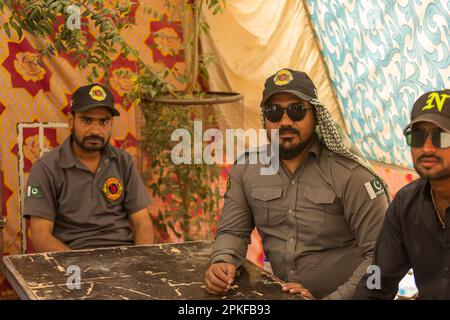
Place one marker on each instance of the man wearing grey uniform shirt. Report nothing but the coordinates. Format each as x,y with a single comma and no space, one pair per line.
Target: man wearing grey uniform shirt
318,216
87,193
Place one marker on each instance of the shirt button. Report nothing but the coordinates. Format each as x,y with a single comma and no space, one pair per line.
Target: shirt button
290,211
293,182
291,240
292,272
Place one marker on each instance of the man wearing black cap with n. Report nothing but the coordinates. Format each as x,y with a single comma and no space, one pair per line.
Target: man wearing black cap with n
318,216
416,232
86,193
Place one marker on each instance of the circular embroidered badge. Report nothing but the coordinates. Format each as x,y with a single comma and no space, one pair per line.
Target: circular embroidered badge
97,93
283,77
112,188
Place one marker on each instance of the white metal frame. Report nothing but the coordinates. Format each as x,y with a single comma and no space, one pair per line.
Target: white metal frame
21,161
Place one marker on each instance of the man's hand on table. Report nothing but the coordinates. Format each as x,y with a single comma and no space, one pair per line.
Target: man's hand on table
297,288
219,277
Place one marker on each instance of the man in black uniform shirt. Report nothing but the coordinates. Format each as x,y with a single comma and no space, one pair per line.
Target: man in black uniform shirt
416,231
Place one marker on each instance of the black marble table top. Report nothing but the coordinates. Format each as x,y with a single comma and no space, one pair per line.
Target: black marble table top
160,271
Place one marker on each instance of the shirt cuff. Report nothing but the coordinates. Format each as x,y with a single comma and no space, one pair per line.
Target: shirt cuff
39,214
227,258
335,295
229,248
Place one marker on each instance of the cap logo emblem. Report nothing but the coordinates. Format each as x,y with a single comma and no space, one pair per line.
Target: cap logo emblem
97,93
112,188
283,77
438,99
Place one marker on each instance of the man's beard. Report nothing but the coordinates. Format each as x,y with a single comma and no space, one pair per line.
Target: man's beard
440,175
293,151
82,143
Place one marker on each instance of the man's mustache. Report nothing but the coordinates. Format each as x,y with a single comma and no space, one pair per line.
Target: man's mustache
284,130
429,157
94,138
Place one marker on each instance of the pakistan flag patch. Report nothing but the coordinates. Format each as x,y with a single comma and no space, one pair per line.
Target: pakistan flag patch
34,192
374,188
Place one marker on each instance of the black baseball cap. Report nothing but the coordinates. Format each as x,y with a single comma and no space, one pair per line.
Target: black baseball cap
91,96
291,81
434,107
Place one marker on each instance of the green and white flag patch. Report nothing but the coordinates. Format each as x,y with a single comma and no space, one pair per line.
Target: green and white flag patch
374,188
34,192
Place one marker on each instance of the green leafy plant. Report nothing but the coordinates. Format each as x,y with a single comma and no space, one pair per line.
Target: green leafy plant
46,21
186,190
190,192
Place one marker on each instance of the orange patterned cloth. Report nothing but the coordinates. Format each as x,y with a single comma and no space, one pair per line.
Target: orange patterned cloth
33,92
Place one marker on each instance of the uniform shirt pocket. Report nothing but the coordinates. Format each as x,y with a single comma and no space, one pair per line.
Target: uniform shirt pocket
311,215
323,199
267,206
325,217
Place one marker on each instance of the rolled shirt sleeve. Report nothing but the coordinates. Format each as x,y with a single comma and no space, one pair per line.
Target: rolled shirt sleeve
236,224
40,193
365,218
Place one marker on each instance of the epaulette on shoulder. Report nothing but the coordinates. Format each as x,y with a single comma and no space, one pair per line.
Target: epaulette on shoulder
348,163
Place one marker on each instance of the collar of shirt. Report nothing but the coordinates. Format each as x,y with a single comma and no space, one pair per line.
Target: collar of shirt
426,191
68,160
313,153
428,196
316,147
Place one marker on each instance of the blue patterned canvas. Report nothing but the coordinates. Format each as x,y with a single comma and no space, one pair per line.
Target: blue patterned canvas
381,56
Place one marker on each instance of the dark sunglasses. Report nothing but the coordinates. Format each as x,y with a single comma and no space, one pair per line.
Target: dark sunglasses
417,138
295,112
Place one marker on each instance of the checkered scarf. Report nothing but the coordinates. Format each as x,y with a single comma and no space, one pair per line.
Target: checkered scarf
335,139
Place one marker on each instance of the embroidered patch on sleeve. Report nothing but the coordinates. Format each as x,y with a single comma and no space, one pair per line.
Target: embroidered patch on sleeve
374,188
34,192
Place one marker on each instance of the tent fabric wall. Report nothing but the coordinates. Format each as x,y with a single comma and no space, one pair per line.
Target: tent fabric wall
382,55
253,39
379,55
